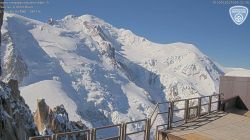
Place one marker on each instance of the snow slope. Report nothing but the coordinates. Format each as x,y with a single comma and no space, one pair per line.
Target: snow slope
52,89
237,72
102,74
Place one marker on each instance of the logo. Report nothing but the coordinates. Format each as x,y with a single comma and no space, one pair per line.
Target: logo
238,14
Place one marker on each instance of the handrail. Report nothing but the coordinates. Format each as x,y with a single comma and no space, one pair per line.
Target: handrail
136,121
149,122
108,126
111,138
156,106
131,133
73,132
41,137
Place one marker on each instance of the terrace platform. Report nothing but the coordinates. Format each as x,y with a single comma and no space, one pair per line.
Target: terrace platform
216,126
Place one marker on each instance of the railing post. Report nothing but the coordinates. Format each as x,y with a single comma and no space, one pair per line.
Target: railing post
147,129
219,103
93,134
171,113
156,133
89,135
199,108
209,104
54,137
186,113
122,131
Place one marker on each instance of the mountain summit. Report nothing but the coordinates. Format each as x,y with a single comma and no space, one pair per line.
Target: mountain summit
101,74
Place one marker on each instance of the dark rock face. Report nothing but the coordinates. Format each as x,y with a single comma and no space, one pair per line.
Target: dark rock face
1,14
1,23
14,66
16,120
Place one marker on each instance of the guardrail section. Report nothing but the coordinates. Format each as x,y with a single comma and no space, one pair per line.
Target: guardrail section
173,114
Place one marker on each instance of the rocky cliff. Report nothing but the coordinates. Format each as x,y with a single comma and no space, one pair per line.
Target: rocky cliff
18,123
54,120
1,22
16,120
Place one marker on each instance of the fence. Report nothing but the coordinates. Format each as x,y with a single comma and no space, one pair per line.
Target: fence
193,108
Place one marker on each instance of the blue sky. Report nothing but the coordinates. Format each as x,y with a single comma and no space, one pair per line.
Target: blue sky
200,22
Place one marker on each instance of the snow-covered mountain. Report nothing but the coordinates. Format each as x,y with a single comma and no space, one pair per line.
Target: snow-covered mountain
102,74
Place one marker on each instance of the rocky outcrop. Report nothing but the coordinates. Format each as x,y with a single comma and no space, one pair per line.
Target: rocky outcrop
41,116
1,12
14,66
1,23
16,120
105,46
50,121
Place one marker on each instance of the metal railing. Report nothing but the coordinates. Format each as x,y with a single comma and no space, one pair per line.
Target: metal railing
190,112
193,108
84,134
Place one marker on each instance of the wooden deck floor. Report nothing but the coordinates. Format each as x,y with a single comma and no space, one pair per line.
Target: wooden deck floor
218,126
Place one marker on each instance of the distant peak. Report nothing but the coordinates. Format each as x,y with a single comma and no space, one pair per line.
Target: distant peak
190,47
92,18
85,17
68,17
89,16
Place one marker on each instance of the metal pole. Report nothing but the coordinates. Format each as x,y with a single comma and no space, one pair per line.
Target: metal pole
89,135
125,132
121,131
147,129
199,108
219,103
93,134
209,104
156,133
186,113
54,137
171,114
169,111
